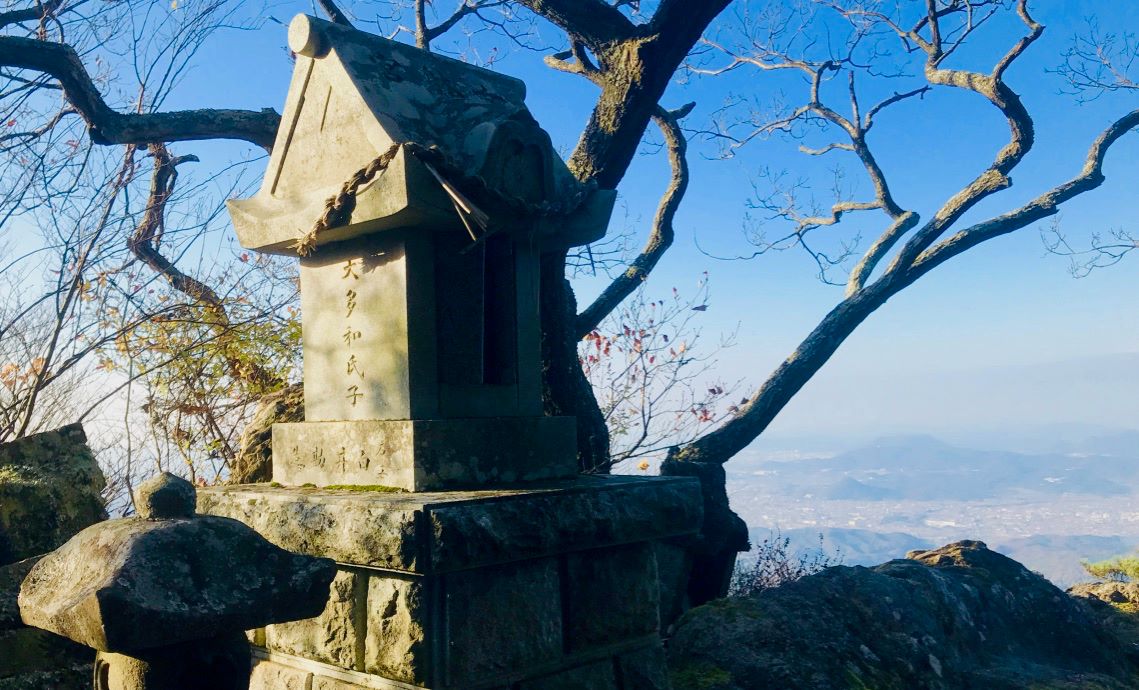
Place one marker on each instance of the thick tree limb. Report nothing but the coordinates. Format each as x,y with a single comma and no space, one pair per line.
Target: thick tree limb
1021,140
789,378
661,237
335,14
635,65
143,244
862,271
29,14
106,126
593,22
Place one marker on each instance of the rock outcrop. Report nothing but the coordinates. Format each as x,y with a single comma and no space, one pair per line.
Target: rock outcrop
49,490
1115,604
254,461
958,617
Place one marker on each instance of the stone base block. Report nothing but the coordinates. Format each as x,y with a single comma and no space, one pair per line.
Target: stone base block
521,589
640,668
425,454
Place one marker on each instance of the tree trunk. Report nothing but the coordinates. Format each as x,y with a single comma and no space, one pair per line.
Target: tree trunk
565,390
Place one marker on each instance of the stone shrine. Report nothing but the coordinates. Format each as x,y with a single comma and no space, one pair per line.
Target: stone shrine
470,553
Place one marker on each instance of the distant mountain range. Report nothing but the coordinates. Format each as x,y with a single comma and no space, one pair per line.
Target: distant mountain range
878,500
923,468
1057,557
860,398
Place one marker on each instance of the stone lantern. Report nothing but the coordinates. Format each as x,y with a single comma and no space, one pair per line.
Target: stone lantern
164,597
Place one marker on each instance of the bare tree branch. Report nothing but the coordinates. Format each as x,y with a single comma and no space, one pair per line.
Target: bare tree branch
29,14
106,126
836,326
335,14
592,22
1041,207
661,237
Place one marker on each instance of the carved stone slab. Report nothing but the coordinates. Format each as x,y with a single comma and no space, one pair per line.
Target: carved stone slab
425,454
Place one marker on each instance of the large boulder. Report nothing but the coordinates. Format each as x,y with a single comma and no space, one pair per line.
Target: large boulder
1115,605
958,617
50,489
254,460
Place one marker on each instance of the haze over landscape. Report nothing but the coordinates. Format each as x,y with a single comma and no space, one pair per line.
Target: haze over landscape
1038,461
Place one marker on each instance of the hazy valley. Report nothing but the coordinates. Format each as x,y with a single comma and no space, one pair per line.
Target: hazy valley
1048,499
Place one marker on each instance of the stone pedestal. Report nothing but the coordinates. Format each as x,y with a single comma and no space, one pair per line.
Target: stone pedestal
425,454
547,587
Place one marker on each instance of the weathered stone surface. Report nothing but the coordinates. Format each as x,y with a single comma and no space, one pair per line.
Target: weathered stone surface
956,617
462,529
76,677
268,675
358,93
165,496
611,595
131,584
357,351
644,669
596,676
330,637
220,663
396,646
326,683
674,561
590,512
32,658
1115,606
425,454
256,637
1107,592
49,490
254,460
362,528
501,620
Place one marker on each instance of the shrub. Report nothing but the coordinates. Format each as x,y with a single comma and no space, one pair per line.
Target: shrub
776,564
1118,569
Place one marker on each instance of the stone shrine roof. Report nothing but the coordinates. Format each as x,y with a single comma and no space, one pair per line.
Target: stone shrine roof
355,94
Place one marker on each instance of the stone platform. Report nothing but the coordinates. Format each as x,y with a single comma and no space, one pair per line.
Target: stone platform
537,588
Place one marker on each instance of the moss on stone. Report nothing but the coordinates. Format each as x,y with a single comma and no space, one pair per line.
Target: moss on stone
50,489
959,616
701,676
377,488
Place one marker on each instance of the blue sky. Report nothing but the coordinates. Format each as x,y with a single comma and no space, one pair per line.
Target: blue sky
1005,303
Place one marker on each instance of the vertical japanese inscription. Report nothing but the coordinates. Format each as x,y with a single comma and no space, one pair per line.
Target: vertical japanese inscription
355,334
351,335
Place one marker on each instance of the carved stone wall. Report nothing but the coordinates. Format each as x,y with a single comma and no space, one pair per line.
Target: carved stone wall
535,589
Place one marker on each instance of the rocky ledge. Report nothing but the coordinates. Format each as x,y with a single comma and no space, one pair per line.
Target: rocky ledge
956,618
